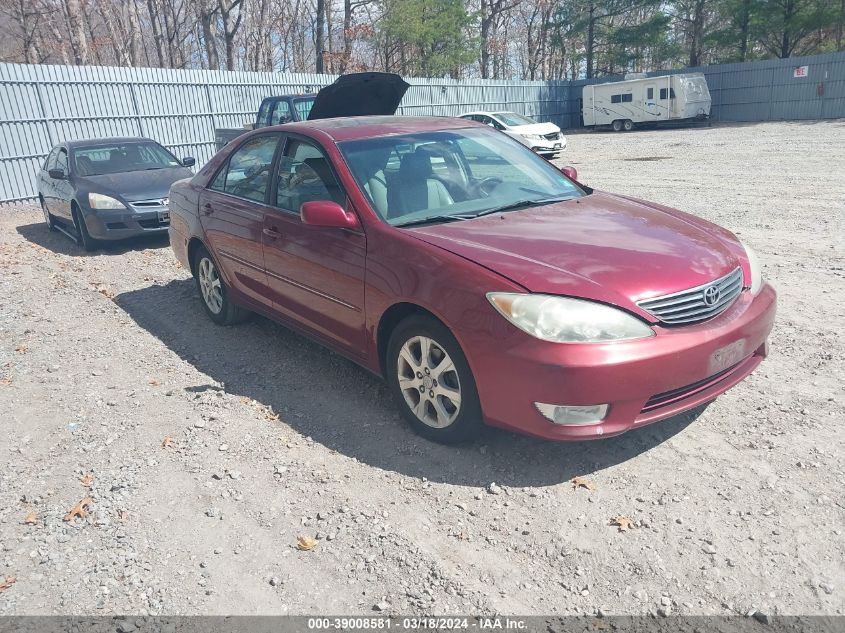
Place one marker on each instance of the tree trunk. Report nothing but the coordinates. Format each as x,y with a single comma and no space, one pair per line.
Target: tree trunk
591,39
744,19
319,40
78,40
347,36
152,10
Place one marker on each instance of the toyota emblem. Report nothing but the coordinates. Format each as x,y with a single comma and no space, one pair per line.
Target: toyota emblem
711,295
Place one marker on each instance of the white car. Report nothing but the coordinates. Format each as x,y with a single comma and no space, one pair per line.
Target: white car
543,138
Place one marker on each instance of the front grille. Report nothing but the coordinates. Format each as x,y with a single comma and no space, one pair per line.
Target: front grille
153,223
670,397
552,137
149,204
696,304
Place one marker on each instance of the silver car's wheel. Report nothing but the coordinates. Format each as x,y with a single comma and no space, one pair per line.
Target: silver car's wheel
209,281
429,382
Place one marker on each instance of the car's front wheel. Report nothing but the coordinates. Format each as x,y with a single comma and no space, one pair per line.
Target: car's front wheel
48,217
215,295
432,382
83,237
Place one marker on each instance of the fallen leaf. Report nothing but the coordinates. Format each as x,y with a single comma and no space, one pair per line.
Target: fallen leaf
168,442
5,381
87,480
31,519
154,382
305,543
122,516
21,349
5,584
624,523
581,482
79,510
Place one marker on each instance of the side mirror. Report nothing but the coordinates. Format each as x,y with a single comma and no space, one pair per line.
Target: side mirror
189,161
56,174
328,214
570,172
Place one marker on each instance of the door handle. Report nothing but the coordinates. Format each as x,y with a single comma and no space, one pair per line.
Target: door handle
271,233
208,208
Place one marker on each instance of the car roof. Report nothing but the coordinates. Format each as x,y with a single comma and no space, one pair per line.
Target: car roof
362,127
93,142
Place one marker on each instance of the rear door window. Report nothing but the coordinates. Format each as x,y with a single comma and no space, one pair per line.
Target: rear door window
281,113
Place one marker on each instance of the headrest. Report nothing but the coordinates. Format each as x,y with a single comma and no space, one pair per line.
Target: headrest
416,166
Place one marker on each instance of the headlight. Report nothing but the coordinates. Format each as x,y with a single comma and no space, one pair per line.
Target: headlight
534,137
99,201
566,320
756,271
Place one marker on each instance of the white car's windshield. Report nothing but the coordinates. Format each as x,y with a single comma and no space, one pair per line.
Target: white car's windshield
451,175
512,119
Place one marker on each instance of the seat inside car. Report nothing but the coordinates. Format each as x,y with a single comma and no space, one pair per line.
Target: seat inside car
415,188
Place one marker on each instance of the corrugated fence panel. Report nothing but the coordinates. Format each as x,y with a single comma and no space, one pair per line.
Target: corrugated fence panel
42,105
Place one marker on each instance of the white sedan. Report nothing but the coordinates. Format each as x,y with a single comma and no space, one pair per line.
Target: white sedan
543,138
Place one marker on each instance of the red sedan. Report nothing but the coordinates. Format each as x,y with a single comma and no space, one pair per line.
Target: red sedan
481,282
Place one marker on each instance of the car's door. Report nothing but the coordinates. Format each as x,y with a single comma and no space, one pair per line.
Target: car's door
316,273
63,190
232,211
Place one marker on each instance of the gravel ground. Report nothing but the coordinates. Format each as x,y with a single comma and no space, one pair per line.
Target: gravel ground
737,508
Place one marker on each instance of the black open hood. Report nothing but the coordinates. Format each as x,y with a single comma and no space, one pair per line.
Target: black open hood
359,94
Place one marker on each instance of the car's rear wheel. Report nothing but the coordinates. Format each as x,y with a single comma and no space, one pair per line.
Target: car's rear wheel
213,291
627,125
48,217
432,382
617,125
82,236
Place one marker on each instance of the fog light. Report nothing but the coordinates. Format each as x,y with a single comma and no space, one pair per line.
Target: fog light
572,415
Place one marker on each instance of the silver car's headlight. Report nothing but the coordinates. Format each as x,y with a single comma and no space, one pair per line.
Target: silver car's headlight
756,271
534,137
100,201
567,320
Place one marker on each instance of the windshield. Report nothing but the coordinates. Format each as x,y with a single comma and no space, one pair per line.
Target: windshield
122,157
303,107
451,174
513,119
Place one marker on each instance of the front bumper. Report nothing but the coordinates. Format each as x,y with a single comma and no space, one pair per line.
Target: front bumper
548,147
118,224
642,381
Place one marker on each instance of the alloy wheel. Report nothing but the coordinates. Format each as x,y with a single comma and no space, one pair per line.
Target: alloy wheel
212,290
429,382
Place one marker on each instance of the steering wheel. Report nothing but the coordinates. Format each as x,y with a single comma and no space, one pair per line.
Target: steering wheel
486,186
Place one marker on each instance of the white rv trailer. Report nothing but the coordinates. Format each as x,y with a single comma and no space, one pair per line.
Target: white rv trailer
646,100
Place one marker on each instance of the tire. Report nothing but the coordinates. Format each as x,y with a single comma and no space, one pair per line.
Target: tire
617,125
627,125
49,220
213,292
440,402
83,237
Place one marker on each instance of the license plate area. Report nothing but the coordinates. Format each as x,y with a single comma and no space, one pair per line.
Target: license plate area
727,356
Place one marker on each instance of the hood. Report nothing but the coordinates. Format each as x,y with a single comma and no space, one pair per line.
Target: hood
600,247
359,94
136,185
536,128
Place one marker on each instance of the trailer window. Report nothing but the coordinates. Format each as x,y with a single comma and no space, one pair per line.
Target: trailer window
650,93
627,98
615,98
663,93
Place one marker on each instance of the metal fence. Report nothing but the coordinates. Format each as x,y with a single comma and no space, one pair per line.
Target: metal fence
42,105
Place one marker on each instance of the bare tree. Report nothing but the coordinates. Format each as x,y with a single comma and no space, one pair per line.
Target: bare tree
231,13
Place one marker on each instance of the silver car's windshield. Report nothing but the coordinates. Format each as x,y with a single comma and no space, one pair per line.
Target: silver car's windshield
451,175
121,157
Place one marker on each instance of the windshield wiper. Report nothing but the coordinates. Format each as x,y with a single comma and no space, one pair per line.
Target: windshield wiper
511,206
435,218
519,204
